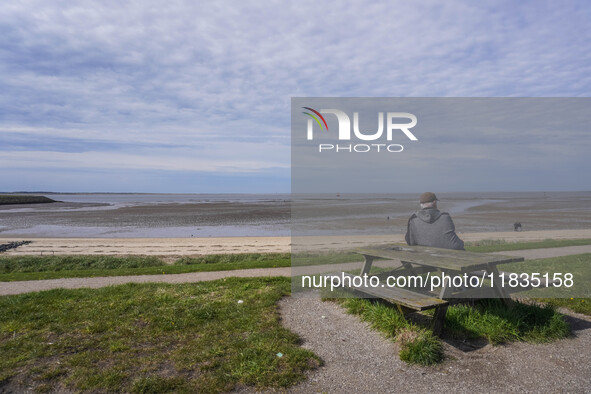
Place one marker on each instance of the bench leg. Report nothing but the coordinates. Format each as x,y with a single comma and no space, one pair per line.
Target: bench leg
439,319
503,295
446,292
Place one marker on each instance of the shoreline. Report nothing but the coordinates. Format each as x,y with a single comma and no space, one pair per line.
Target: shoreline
232,245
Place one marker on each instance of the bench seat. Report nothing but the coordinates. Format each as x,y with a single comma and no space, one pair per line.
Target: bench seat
396,295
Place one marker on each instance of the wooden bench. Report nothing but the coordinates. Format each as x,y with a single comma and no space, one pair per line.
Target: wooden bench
417,260
407,301
420,259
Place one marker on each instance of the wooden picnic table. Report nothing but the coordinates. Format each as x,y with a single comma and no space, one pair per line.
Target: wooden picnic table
417,260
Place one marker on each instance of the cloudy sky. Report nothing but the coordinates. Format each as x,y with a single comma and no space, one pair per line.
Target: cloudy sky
194,96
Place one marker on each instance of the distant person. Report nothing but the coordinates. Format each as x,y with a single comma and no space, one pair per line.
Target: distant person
516,226
431,227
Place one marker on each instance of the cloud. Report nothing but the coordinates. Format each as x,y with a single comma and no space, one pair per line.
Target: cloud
98,160
210,74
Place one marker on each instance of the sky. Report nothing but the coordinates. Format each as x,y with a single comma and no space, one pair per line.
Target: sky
194,97
482,144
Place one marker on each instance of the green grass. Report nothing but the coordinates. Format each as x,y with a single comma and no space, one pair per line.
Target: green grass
490,319
496,323
17,268
420,346
574,298
237,259
499,245
579,305
11,264
578,265
6,199
417,345
307,259
151,338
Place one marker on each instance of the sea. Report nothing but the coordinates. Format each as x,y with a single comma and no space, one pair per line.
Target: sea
115,215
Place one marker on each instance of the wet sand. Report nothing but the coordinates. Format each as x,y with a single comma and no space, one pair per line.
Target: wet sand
158,220
223,245
179,216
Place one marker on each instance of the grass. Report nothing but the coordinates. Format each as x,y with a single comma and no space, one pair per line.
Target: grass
27,264
321,258
578,305
493,321
490,319
17,268
151,338
578,265
575,298
499,245
417,345
6,199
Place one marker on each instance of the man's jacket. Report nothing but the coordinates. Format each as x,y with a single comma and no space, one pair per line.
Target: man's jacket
431,227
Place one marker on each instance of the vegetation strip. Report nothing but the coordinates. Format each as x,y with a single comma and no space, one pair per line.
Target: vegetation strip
8,199
18,268
499,245
204,337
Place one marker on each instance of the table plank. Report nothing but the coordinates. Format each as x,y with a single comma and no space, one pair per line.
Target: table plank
456,260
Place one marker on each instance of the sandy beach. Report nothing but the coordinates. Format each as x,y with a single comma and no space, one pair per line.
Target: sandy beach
151,246
221,245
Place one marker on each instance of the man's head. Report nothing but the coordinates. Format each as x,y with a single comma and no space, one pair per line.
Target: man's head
428,200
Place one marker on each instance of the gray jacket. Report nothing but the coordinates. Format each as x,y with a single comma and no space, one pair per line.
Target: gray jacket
431,227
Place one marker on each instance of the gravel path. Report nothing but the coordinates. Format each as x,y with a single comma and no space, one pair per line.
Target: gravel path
7,288
358,359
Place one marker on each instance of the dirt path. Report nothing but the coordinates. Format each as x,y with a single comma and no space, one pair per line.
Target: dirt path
7,288
358,359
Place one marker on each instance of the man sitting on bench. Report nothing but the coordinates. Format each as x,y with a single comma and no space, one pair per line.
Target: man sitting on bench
431,227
